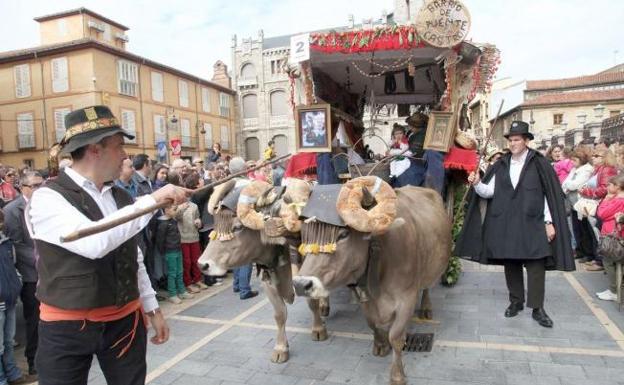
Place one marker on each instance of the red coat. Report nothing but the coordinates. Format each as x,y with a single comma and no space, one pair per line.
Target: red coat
606,212
7,191
604,173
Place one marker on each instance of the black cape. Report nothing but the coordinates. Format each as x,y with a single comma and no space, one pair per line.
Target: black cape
473,242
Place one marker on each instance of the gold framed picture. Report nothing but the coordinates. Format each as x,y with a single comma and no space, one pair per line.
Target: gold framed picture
313,128
440,131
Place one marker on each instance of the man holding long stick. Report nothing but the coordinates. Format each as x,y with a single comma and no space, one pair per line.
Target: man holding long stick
94,292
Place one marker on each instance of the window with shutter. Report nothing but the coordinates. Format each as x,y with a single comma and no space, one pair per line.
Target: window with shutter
157,87
127,73
185,128
279,106
225,137
250,106
60,77
224,104
183,92
25,130
208,135
59,122
160,129
22,80
128,123
205,99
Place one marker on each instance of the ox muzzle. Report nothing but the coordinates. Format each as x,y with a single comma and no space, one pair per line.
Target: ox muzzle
209,268
309,287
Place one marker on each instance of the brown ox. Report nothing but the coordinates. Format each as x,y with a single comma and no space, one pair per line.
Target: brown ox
247,242
412,253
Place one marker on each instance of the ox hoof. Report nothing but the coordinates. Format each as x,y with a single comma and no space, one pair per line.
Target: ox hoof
425,314
396,381
319,335
279,356
381,350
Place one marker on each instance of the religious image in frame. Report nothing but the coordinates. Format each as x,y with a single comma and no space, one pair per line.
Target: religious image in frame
313,128
440,131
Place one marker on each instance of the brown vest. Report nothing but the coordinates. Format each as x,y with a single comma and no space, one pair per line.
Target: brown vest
71,281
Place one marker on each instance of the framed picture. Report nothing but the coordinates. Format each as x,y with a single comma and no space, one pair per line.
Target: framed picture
313,128
440,131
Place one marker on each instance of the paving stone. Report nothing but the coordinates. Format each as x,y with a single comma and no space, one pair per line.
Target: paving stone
556,370
298,370
272,379
524,379
167,378
230,373
187,379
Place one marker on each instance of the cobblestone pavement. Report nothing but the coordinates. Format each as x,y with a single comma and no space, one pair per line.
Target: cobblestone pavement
218,339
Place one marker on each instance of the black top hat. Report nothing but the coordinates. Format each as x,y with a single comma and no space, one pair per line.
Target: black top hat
519,127
89,125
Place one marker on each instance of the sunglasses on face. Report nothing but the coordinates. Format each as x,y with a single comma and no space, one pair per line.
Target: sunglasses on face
33,186
10,175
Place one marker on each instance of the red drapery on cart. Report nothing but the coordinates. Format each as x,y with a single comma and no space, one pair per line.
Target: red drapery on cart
301,163
379,39
460,159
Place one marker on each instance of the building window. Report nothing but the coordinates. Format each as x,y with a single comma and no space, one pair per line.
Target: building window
224,104
225,137
276,66
183,93
60,75
59,122
107,32
557,119
22,80
160,129
252,148
250,106
25,130
128,123
157,87
127,73
185,128
614,113
278,103
205,99
248,71
208,135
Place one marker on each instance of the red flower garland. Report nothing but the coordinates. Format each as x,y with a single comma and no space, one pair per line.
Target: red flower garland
379,39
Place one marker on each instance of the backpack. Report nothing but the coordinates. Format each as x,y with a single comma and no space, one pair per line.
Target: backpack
10,282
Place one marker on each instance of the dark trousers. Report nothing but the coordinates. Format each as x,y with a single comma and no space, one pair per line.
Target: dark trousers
536,275
31,316
66,349
587,244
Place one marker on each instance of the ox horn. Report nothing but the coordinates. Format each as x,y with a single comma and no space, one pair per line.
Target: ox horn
357,193
246,207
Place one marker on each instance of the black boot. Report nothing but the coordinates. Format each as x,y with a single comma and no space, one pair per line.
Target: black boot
542,318
513,309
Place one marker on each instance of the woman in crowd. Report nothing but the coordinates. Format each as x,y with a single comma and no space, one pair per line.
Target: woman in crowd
608,211
576,179
161,172
8,176
596,189
214,155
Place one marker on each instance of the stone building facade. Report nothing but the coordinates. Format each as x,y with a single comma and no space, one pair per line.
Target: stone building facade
83,61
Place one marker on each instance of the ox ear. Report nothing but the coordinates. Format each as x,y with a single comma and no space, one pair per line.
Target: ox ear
367,198
397,223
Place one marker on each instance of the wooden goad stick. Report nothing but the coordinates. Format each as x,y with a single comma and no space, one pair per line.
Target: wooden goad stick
76,235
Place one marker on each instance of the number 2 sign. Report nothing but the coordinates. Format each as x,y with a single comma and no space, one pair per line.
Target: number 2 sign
299,48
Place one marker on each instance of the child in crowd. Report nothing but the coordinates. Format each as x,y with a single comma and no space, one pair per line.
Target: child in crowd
10,286
609,209
168,243
399,144
188,224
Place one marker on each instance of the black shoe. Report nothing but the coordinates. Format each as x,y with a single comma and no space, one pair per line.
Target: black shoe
542,318
32,371
251,294
513,309
235,290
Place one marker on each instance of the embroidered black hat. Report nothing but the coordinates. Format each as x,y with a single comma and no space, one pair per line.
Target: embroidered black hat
519,127
89,125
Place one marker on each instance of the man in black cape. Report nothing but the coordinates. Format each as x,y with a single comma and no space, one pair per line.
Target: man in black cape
524,223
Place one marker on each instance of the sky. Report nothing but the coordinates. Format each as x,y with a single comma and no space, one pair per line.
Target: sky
538,39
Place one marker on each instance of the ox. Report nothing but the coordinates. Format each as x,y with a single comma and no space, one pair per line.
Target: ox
243,235
410,235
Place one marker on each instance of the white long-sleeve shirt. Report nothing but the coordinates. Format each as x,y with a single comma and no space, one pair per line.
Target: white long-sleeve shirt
486,190
52,216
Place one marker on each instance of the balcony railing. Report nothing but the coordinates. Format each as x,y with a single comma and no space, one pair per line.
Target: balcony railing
250,122
249,81
280,121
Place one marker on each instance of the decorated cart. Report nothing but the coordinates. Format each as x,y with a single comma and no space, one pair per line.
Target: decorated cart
340,79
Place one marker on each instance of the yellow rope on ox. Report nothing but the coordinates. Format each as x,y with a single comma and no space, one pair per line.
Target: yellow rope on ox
220,236
315,248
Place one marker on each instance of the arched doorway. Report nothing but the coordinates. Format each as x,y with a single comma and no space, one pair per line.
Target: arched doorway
252,149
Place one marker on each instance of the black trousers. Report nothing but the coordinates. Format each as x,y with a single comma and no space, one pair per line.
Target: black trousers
66,350
536,276
31,316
